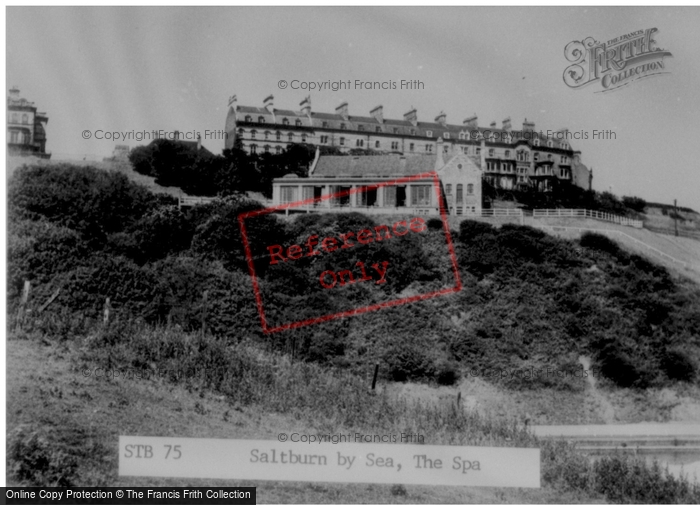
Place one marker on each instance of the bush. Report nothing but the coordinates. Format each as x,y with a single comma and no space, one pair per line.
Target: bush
599,242
447,373
469,229
620,367
634,203
35,461
409,362
678,365
435,224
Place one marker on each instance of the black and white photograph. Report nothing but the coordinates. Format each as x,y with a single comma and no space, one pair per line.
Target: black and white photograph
351,254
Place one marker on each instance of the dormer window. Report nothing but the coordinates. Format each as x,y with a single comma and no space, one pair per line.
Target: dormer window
285,121
412,131
446,135
550,143
324,124
297,122
248,119
343,126
261,119
378,129
361,128
428,133
536,142
396,130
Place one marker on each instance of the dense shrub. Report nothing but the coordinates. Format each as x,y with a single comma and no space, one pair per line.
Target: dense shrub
91,201
409,362
468,229
599,242
634,203
435,224
161,232
678,365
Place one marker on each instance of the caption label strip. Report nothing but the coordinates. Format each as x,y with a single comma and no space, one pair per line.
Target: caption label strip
445,465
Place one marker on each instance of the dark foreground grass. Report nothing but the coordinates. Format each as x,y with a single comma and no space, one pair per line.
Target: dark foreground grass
328,400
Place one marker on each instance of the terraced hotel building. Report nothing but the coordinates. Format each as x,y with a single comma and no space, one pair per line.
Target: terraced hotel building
507,158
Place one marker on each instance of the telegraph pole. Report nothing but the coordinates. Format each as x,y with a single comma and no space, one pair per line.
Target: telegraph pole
675,215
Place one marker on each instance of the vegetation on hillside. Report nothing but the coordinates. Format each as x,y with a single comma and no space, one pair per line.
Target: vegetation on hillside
182,299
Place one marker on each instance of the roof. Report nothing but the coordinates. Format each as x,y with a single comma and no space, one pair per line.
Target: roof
386,165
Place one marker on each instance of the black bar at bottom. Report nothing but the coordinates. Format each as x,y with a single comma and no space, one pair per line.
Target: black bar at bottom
128,495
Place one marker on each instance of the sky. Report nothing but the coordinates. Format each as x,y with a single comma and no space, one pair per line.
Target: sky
130,69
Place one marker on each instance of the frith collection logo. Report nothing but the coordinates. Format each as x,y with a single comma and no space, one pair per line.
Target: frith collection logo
615,63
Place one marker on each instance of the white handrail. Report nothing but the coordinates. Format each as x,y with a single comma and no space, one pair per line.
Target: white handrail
586,213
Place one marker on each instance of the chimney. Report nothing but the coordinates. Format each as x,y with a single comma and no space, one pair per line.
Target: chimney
471,122
269,104
232,101
378,113
441,118
506,124
14,93
493,125
342,110
306,106
411,116
528,126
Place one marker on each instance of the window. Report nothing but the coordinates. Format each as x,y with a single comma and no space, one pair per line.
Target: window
445,149
492,153
470,189
376,144
361,128
261,119
465,149
550,143
267,149
462,136
288,194
343,126
25,119
252,134
241,131
278,150
448,190
324,124
536,142
253,149
303,137
248,119
267,135
536,156
14,137
324,139
285,121
359,143
523,155
412,131
290,136
342,141
420,195
460,195
446,135
429,133
428,148
507,154
396,130
297,122
411,146
378,129
564,159
549,157
394,146
278,135
478,151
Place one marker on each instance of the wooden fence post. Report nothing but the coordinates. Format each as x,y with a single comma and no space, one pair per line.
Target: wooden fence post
204,312
374,380
23,303
48,302
105,312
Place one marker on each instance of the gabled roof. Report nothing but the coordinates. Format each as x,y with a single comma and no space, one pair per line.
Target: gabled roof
385,165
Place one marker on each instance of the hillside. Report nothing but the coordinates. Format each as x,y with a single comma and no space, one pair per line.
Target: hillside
180,298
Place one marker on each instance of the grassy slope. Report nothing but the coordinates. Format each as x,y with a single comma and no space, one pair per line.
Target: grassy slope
48,394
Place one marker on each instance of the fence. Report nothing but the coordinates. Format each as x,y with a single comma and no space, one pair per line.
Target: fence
191,201
594,214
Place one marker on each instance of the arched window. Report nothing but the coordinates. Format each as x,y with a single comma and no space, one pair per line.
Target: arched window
252,134
446,135
285,121
267,135
261,119
291,137
248,119
25,119
536,142
470,189
297,122
241,131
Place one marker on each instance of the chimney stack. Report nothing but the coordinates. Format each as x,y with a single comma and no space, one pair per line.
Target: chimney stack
492,125
471,122
411,116
269,104
441,118
342,110
14,93
506,124
378,113
306,106
528,126
232,101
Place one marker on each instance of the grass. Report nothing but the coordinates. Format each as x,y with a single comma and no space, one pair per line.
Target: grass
64,426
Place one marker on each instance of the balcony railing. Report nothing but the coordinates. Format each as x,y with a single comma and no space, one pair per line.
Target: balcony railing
585,213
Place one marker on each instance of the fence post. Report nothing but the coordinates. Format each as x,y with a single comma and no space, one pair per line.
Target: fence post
23,302
204,312
376,372
105,312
